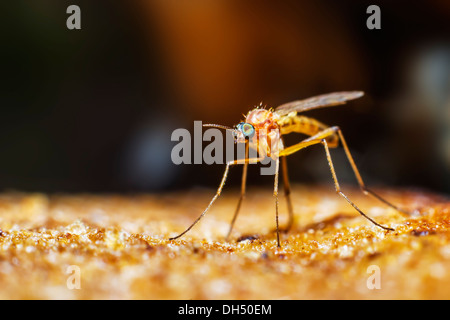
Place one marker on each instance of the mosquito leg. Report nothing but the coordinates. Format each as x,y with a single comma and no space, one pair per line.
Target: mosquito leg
321,138
219,191
242,196
275,193
358,176
287,193
338,188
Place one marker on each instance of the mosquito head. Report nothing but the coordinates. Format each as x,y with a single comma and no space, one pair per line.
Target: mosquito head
241,132
244,131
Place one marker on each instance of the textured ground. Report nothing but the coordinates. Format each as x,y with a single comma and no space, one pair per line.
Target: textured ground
119,247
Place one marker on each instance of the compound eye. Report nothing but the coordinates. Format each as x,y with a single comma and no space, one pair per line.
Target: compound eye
248,130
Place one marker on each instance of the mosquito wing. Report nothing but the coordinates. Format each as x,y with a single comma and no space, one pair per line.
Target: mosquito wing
324,100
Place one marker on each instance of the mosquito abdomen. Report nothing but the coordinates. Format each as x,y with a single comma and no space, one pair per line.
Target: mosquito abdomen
305,125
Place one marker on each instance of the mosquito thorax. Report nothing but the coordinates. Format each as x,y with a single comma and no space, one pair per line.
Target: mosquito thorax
262,119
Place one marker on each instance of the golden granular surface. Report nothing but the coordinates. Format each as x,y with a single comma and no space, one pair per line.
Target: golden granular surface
116,247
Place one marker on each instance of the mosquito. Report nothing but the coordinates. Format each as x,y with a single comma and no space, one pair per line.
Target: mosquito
283,120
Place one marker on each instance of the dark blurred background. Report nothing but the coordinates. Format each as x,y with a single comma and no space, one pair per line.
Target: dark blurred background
92,110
